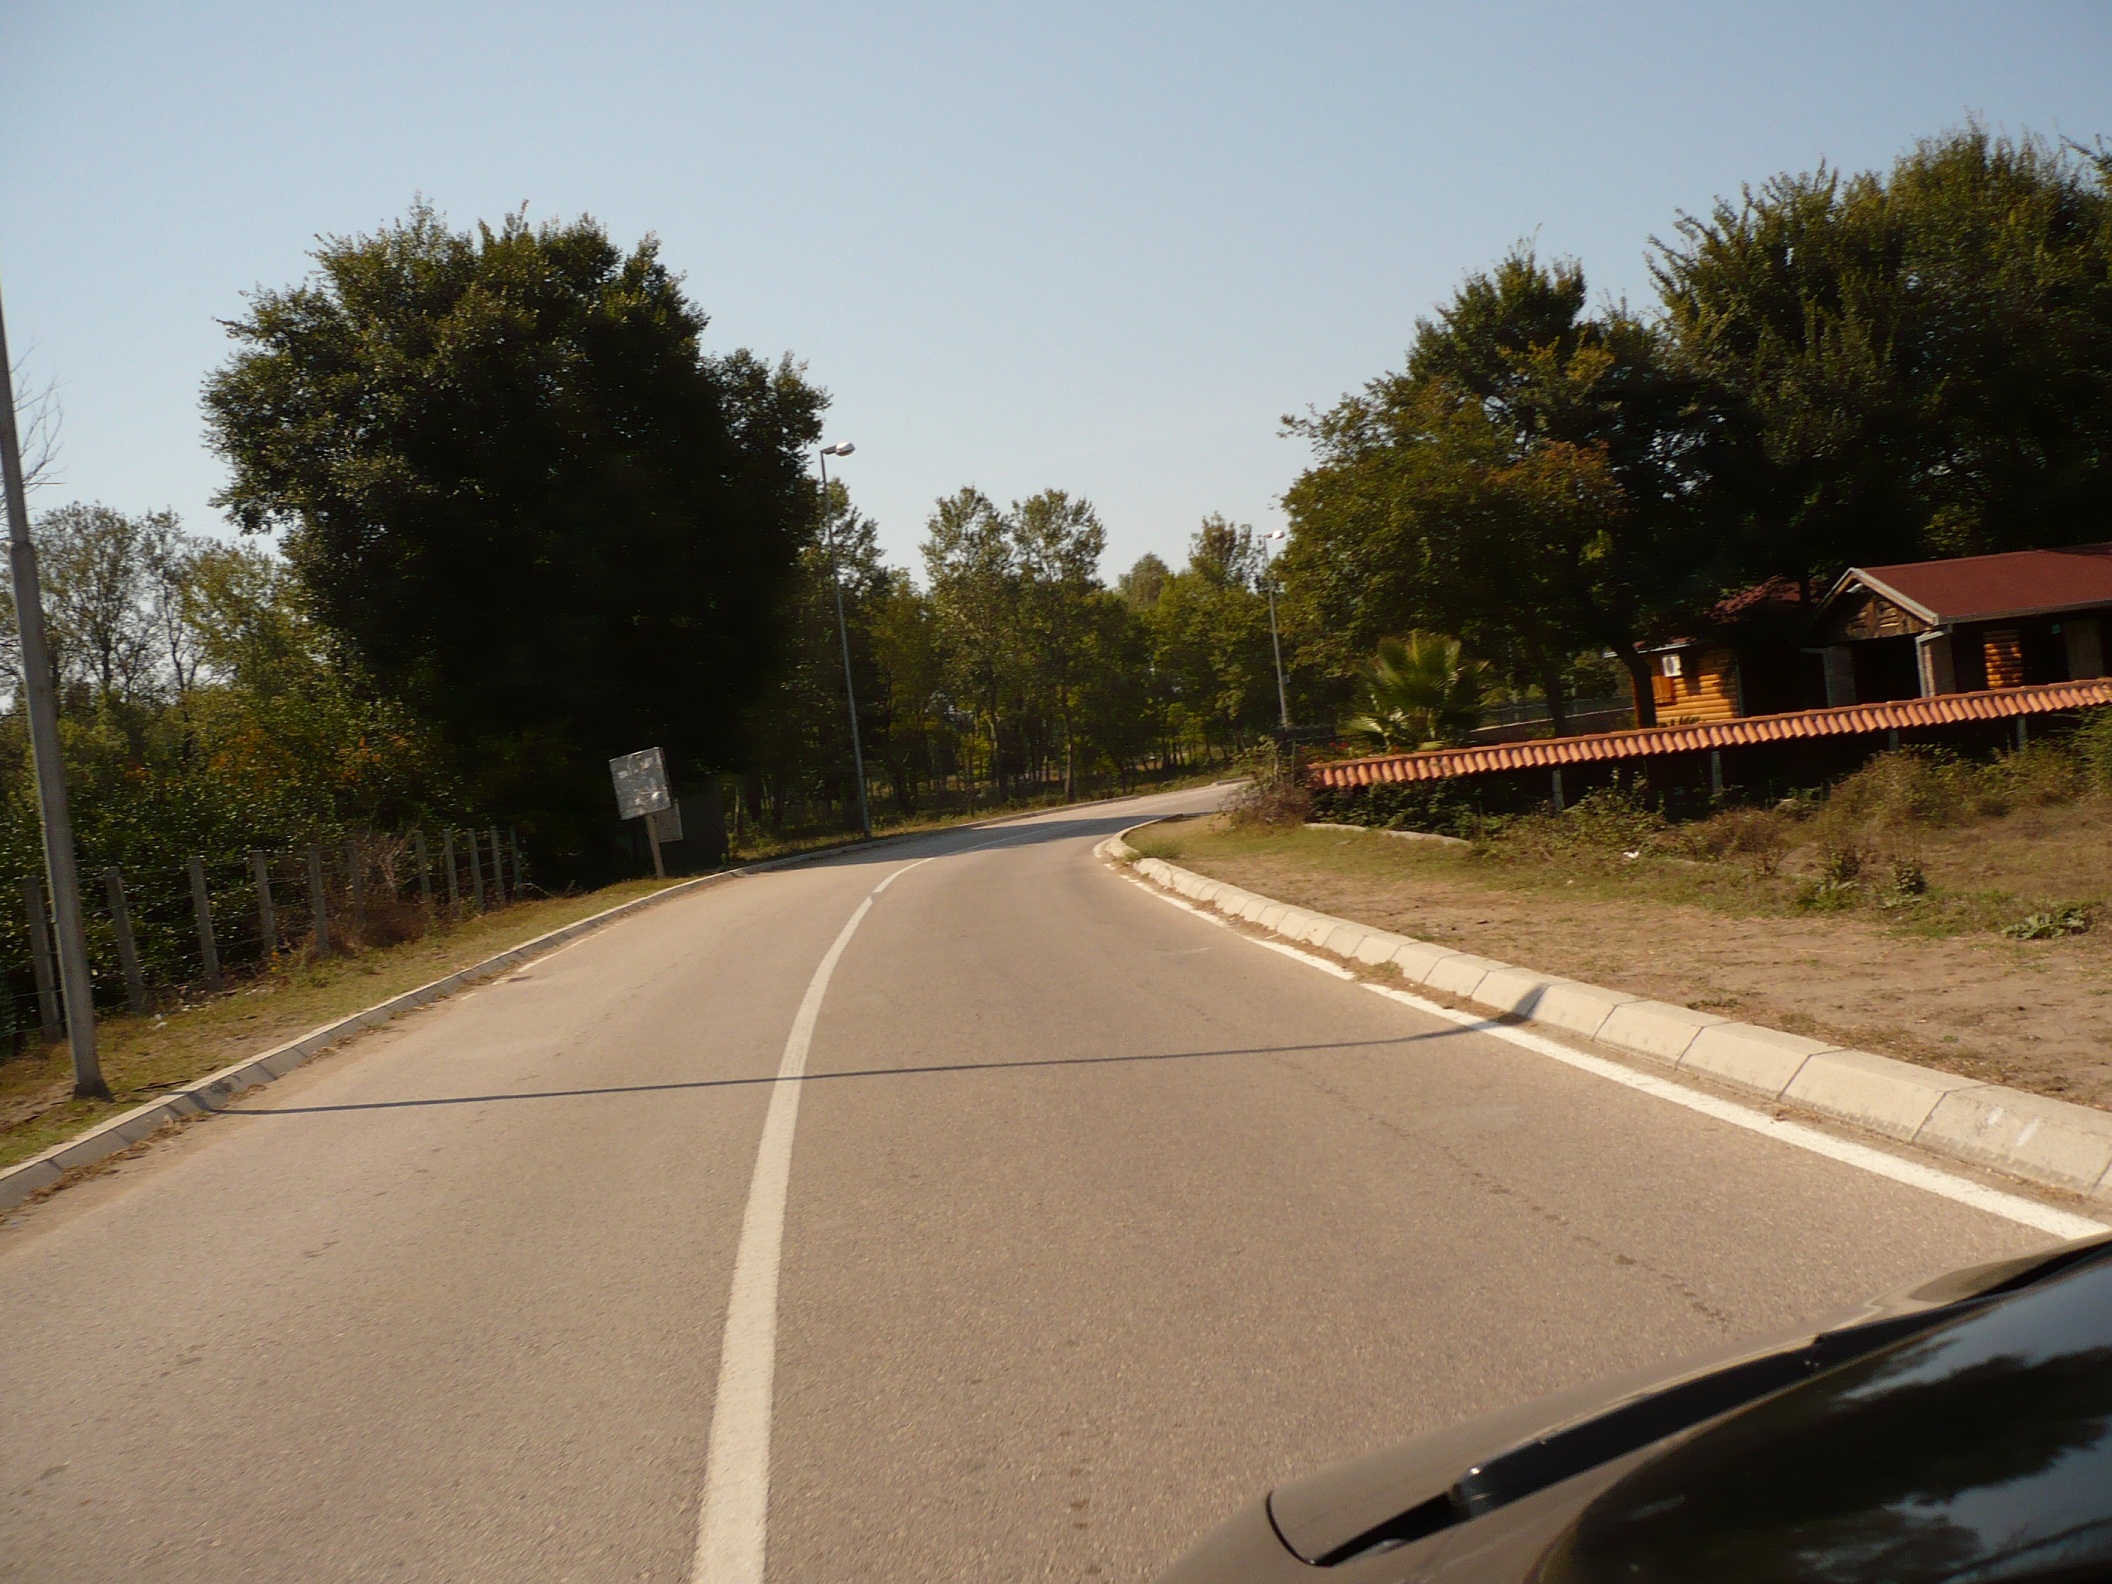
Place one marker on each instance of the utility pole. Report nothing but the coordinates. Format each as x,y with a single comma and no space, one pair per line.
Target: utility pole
75,988
1268,574
850,689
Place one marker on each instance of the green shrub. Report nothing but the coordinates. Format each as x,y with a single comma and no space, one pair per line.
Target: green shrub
2049,926
1443,808
1604,820
2034,776
1906,786
1759,836
2091,747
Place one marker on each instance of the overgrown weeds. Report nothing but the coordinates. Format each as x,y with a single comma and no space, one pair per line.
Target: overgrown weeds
1760,837
1871,841
1275,797
1603,822
2050,925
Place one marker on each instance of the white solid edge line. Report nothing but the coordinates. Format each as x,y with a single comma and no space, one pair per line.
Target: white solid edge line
2011,1207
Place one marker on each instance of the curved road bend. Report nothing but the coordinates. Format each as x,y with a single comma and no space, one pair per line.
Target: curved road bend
1097,1219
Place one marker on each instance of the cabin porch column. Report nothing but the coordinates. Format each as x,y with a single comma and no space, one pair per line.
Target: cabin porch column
1933,659
1840,675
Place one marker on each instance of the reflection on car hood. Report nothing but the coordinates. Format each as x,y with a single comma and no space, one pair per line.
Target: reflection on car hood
1423,1486
1981,1450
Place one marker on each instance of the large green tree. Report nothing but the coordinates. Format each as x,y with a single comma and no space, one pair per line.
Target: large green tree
1057,542
1522,484
1210,629
524,499
1904,365
974,582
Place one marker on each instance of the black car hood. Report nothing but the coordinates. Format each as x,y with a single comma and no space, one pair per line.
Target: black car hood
1978,1451
1421,1487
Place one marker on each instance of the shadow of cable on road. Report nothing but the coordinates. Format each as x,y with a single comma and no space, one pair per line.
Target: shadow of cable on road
861,1072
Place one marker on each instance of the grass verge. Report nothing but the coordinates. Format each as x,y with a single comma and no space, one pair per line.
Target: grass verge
1939,975
144,1057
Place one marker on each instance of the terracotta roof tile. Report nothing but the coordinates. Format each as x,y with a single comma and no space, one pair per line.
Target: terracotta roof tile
1651,741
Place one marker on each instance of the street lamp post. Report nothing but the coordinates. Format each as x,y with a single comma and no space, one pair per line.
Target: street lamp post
1283,697
844,448
43,711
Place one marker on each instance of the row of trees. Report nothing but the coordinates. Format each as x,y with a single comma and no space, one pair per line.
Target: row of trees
1013,670
523,523
1838,370
205,706
201,707
526,522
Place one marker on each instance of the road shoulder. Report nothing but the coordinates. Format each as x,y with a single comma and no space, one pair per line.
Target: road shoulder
2048,1143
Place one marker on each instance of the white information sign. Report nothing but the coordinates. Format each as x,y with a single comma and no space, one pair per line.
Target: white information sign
641,784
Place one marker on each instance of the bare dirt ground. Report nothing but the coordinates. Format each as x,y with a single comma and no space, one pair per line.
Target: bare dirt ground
1933,984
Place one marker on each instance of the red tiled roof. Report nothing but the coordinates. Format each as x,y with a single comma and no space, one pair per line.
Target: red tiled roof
1783,592
1771,604
1652,741
1985,588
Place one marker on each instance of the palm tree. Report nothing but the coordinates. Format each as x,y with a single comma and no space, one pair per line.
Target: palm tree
1420,692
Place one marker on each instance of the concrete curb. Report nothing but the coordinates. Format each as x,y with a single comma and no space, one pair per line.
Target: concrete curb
25,1179
2054,1143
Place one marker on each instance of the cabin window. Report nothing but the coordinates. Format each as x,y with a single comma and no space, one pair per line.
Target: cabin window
1671,665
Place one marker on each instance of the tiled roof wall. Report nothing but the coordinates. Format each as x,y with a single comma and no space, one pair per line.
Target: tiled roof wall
1651,741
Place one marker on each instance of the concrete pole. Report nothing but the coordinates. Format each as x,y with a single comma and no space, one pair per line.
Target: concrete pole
75,987
127,946
202,906
425,869
40,957
267,915
317,908
498,870
1283,697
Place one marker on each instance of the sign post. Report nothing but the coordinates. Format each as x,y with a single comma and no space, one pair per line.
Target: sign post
642,793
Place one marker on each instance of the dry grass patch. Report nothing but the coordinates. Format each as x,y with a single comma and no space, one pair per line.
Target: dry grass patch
146,1056
1759,918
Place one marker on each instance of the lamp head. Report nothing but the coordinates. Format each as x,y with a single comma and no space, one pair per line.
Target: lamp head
841,448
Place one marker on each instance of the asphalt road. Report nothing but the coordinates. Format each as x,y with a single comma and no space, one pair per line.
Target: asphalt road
1097,1221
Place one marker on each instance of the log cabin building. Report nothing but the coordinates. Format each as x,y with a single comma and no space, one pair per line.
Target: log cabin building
1966,625
1919,630
1775,689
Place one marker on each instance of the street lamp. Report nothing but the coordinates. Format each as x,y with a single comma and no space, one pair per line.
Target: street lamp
844,448
1268,574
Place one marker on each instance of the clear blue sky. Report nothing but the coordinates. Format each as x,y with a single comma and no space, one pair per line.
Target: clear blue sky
1098,247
